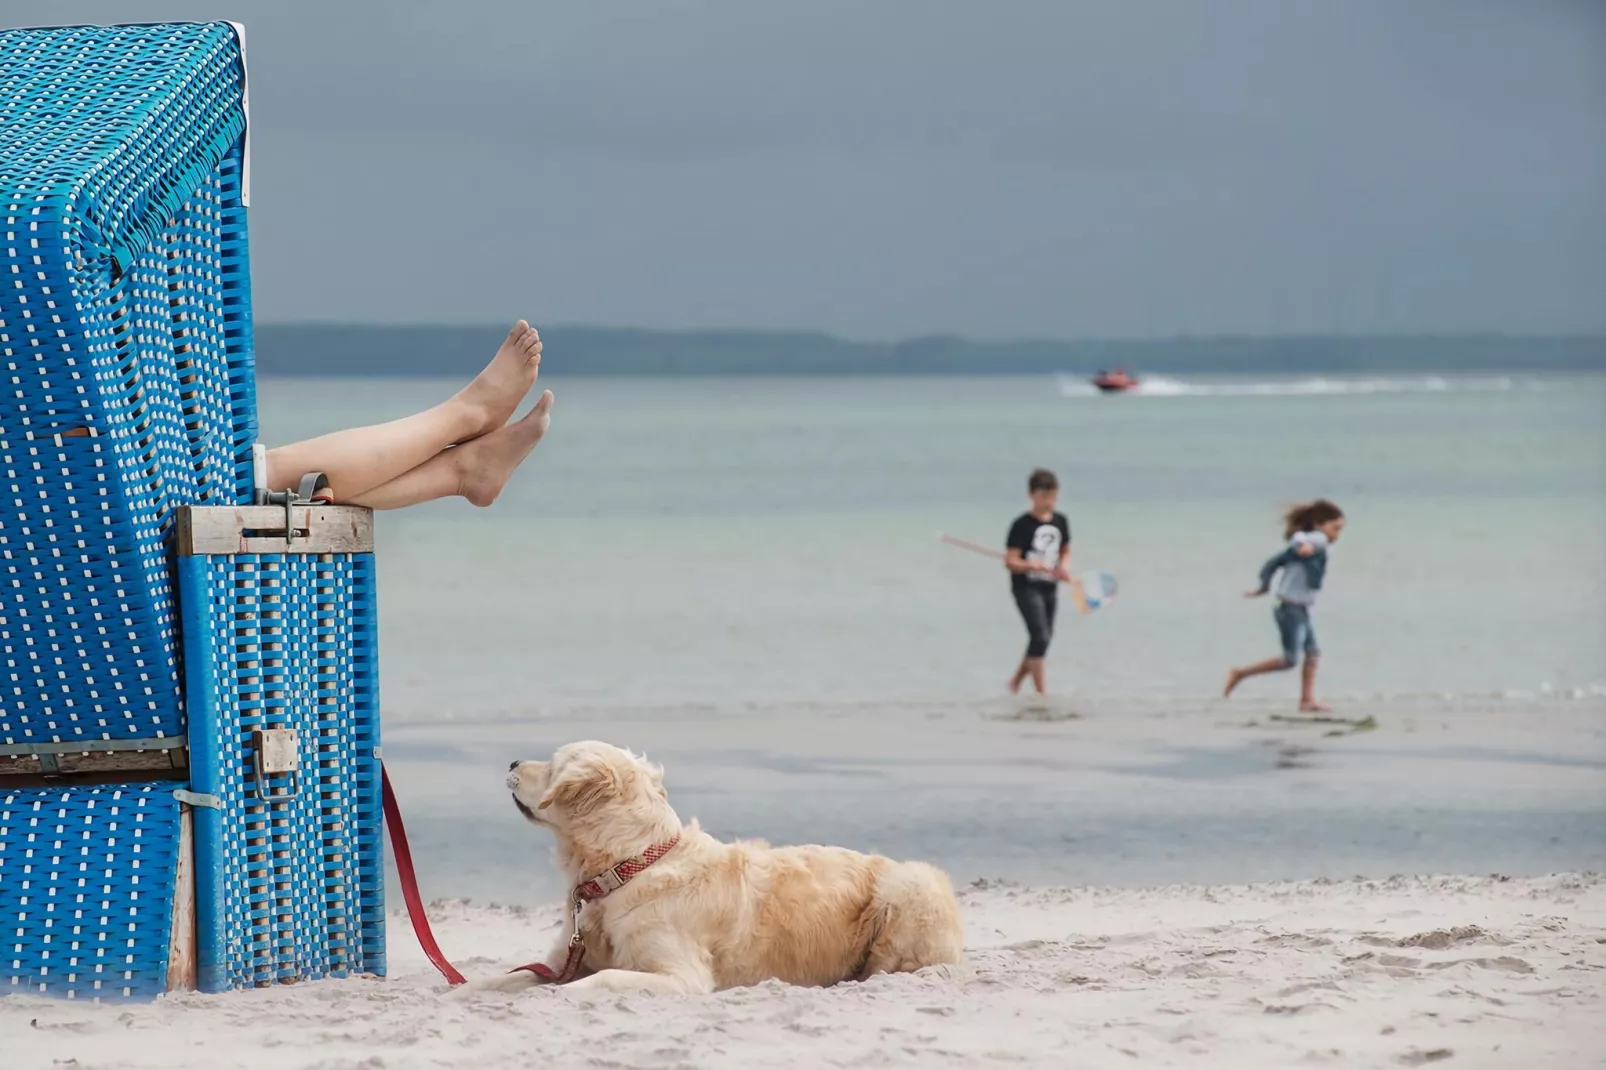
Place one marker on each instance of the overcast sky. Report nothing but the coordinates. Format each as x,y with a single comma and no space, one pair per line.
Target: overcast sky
881,168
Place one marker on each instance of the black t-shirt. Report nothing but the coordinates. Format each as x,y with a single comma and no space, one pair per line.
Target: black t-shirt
1042,542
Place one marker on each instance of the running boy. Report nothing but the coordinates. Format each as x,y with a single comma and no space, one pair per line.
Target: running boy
1310,529
1038,555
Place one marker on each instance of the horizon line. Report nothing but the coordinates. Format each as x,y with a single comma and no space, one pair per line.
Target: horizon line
1598,334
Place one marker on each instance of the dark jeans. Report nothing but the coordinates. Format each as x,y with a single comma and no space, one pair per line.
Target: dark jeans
1036,602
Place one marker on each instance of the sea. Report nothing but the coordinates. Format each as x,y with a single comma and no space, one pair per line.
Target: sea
742,577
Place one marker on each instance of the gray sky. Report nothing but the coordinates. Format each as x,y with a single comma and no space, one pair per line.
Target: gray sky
880,168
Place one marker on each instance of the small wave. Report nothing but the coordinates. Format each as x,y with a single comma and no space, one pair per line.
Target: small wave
1162,386
1074,704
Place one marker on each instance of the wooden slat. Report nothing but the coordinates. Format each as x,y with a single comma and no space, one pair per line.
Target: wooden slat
181,941
104,762
259,529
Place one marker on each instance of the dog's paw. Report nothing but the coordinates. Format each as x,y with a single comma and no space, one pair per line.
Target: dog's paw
952,972
517,981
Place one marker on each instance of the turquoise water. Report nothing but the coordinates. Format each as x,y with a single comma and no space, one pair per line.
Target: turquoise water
695,552
719,541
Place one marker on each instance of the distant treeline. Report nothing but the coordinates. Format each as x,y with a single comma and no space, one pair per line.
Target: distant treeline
321,350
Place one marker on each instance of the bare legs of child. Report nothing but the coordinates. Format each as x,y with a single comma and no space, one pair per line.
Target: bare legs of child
464,446
1307,687
1029,666
1307,679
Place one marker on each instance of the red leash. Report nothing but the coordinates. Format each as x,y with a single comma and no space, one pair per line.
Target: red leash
604,883
409,883
609,880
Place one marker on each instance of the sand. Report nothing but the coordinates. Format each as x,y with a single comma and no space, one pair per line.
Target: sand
1464,971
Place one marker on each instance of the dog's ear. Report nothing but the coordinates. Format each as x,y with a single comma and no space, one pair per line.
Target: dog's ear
581,786
655,775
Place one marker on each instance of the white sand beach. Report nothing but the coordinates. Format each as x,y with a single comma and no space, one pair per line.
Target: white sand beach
1467,971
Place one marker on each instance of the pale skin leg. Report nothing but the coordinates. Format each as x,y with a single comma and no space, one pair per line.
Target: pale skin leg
476,470
360,459
1239,675
1307,680
1307,687
1032,667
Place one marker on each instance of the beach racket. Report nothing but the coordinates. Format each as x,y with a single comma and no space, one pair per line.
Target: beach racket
1098,588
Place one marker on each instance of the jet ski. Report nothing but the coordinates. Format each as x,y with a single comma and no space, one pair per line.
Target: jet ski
1114,382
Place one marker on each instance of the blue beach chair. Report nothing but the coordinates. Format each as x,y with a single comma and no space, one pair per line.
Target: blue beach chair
189,740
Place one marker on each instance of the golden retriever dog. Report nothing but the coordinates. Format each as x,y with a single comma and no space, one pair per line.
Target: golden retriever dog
701,915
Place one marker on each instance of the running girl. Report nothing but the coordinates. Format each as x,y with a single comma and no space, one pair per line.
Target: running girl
1310,529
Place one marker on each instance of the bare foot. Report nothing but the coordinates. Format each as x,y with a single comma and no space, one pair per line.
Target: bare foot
491,399
1310,705
1014,686
1234,678
485,464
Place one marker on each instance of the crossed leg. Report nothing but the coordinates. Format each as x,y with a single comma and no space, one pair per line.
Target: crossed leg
463,446
476,470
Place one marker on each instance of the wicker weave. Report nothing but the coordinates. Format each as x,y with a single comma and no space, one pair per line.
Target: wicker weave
290,888
127,390
86,887
125,360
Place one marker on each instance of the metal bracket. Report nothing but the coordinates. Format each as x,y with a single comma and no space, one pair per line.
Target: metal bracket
195,798
274,751
307,494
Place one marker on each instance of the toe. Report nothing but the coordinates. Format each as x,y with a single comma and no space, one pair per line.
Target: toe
540,417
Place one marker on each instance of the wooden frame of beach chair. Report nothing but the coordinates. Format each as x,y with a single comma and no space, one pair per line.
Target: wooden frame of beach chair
189,778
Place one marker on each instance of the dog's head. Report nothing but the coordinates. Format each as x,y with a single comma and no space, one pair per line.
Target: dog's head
590,790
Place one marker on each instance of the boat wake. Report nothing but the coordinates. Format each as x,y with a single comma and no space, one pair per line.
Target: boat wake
1161,386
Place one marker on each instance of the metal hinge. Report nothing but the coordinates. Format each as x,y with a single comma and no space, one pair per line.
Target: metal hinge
195,798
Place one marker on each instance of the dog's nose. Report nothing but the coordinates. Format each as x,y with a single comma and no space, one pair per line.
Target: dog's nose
513,765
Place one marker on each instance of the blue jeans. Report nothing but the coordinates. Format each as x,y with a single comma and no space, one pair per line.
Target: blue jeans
1296,631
